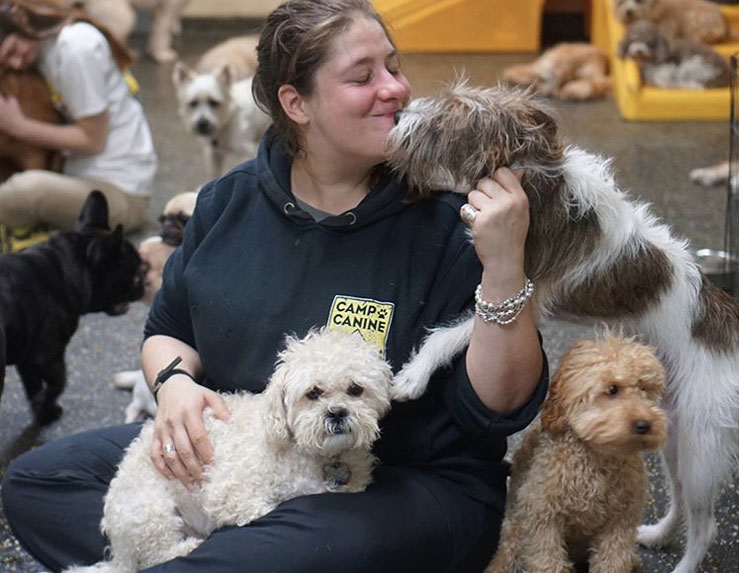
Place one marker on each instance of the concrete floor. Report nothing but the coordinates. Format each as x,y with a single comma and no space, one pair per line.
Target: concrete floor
652,160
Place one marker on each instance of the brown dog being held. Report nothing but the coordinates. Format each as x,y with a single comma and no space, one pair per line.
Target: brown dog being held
34,98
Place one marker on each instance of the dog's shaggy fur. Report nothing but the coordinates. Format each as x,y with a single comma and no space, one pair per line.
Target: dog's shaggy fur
696,20
578,483
567,71
682,64
593,253
309,432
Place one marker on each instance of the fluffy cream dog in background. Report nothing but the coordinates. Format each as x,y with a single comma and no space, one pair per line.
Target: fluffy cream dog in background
310,431
216,104
567,71
696,20
593,253
119,16
578,483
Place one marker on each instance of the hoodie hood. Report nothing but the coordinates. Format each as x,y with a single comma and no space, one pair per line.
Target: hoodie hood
273,163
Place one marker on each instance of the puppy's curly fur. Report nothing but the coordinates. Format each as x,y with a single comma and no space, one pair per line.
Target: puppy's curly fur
695,20
567,71
578,483
309,432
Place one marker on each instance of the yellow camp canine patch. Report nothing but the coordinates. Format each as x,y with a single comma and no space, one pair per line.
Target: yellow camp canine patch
370,318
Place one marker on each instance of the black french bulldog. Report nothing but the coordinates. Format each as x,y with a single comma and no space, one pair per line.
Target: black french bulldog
45,289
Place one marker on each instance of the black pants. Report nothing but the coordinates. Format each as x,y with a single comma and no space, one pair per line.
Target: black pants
405,521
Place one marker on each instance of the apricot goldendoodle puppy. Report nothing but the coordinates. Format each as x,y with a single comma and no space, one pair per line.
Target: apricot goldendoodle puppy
578,482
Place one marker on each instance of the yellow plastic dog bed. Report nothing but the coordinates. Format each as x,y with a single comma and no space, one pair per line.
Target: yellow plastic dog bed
638,102
464,25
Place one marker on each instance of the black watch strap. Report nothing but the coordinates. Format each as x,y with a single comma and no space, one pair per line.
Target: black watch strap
166,373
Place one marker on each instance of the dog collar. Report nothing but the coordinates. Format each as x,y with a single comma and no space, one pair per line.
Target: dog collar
337,473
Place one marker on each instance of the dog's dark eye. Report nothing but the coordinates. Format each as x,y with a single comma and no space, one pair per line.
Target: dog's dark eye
193,104
314,393
354,390
612,390
213,103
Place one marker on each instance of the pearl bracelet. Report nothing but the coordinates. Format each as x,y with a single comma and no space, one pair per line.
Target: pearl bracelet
504,312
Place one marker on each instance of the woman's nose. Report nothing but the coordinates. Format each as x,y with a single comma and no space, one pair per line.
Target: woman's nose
394,87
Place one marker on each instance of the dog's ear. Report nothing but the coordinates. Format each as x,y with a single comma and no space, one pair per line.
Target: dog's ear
224,76
181,74
553,411
94,213
275,411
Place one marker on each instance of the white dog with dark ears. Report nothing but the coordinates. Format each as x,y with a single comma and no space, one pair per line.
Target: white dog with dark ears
310,431
593,253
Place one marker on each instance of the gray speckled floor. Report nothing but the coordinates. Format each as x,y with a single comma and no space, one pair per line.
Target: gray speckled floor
652,160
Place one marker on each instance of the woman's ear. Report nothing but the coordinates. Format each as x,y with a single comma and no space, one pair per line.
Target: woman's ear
293,104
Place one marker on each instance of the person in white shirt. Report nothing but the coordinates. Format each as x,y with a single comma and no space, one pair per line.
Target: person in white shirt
106,141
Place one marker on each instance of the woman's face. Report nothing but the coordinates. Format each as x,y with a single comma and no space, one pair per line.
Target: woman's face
18,53
356,94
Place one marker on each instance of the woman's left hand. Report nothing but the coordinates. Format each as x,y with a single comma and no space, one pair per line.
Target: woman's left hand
500,223
11,116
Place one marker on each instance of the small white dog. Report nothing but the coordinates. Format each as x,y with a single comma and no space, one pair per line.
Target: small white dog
216,103
310,431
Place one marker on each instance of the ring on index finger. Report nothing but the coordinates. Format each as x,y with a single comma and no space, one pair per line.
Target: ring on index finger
169,448
468,213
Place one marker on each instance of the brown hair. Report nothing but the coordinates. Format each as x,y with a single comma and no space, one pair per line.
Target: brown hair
41,19
293,44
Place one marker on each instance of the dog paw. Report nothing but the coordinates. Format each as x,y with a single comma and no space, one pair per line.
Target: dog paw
406,385
653,536
47,414
163,56
705,176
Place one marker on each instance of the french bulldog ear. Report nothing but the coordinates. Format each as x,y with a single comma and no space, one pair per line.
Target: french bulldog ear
181,74
102,249
275,411
94,213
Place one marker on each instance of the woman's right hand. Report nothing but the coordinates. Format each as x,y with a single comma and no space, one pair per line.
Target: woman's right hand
179,421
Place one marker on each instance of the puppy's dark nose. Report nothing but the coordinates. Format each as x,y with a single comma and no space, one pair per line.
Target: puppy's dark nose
397,116
642,426
337,415
203,127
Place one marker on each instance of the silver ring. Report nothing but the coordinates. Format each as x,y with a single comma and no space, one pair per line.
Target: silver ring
468,213
168,449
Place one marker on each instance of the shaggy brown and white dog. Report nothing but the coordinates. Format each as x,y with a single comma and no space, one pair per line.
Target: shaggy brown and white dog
567,71
696,20
681,64
593,253
578,483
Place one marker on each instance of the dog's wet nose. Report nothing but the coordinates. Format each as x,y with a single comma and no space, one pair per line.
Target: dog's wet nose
203,127
397,116
642,426
337,414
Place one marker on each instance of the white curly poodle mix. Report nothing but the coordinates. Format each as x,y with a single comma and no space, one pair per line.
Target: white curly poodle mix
309,432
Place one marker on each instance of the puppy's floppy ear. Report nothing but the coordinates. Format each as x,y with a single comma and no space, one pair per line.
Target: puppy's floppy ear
553,417
275,411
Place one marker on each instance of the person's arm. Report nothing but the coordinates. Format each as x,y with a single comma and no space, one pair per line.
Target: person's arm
504,362
87,135
179,418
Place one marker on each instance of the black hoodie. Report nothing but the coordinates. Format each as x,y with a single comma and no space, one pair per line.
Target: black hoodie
254,266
